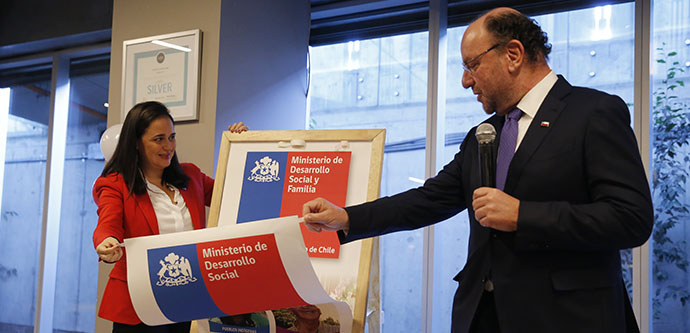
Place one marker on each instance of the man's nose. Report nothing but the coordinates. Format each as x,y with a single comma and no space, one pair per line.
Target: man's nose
467,79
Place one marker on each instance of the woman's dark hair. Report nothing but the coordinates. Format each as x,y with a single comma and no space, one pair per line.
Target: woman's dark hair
513,25
126,160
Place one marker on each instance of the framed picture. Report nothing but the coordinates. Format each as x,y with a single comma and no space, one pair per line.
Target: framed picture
163,68
269,174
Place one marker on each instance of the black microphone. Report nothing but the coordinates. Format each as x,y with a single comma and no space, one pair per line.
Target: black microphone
486,135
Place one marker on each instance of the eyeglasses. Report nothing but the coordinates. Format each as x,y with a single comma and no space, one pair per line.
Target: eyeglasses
473,63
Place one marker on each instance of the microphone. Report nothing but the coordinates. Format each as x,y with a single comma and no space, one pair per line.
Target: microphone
486,135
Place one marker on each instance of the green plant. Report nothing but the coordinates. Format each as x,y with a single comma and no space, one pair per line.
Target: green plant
627,266
671,139
284,318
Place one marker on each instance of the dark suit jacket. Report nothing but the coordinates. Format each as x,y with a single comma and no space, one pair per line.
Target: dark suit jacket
123,216
583,196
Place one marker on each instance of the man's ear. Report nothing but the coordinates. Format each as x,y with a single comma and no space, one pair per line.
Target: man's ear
515,52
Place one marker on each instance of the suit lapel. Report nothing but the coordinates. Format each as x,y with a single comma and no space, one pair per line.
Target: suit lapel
146,207
541,125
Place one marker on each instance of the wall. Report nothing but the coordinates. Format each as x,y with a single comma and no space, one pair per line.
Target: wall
252,68
262,65
136,19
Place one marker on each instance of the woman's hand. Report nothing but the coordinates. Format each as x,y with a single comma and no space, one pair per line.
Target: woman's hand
109,250
238,128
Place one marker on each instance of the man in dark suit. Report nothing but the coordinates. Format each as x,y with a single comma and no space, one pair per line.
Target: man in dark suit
571,192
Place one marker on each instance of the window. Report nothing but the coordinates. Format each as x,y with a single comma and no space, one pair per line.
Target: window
381,83
670,165
25,139
50,129
77,272
594,48
590,47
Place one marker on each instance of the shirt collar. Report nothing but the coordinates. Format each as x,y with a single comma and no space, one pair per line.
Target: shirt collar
530,103
151,188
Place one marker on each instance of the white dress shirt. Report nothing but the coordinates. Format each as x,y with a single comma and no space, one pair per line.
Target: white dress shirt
171,216
530,103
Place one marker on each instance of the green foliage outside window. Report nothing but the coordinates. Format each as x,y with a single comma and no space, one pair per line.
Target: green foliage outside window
671,158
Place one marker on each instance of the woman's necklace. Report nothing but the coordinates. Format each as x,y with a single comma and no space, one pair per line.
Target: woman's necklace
171,189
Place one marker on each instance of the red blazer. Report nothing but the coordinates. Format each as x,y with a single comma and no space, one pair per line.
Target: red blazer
123,216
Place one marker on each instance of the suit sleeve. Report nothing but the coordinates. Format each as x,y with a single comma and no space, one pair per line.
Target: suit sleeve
110,201
619,211
440,198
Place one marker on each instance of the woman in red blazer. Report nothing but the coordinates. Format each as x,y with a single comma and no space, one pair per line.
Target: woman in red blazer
144,165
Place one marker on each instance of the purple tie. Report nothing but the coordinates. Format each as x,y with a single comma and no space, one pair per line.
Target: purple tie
506,147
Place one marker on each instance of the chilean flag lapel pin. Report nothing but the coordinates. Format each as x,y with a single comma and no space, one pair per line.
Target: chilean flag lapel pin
545,124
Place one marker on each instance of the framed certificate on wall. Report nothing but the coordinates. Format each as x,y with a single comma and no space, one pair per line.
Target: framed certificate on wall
163,68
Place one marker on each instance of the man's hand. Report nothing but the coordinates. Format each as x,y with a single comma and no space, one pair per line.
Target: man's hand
238,128
319,214
495,209
109,250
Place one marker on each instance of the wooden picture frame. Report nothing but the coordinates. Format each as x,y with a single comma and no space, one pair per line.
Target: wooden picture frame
366,147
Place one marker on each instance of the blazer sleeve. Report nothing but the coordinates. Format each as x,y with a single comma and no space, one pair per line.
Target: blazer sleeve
109,197
618,213
440,198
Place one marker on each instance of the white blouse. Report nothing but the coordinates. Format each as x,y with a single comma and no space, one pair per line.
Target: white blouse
172,217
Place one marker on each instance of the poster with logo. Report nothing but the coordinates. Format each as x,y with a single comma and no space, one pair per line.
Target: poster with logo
231,274
276,184
267,174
